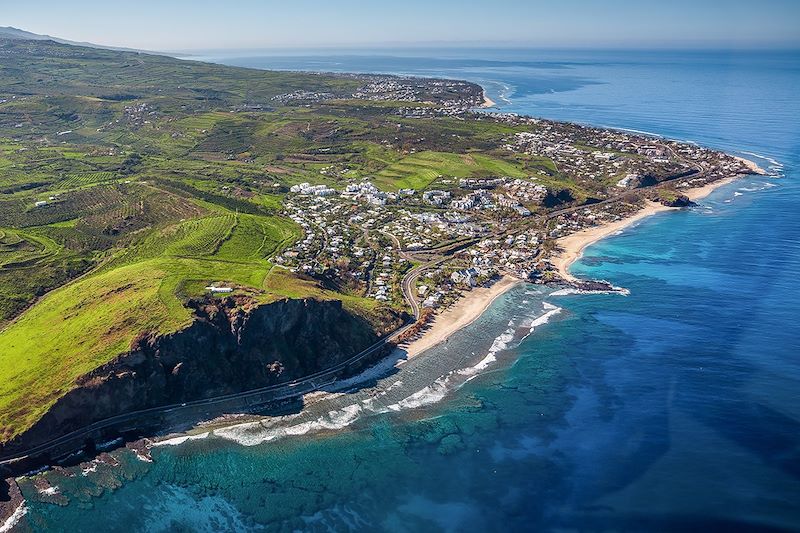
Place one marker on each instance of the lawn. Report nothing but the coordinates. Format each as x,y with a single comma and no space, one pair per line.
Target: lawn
418,171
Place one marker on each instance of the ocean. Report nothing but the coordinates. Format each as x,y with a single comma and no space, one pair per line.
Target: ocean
675,407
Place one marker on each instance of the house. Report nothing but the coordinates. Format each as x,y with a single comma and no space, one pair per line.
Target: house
468,277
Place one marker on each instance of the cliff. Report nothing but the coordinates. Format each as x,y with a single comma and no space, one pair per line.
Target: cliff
233,345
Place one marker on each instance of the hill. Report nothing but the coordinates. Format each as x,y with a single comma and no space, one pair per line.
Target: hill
9,32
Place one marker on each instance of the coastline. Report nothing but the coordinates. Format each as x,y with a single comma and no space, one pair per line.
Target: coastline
752,165
487,102
461,314
572,246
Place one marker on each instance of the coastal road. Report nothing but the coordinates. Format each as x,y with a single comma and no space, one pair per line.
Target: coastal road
407,285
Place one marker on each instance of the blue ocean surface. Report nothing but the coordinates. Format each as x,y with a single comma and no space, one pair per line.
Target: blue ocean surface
675,407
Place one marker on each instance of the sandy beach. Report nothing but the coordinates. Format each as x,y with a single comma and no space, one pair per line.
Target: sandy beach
462,313
488,102
572,246
751,165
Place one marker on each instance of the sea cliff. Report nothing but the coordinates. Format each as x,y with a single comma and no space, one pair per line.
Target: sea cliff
233,345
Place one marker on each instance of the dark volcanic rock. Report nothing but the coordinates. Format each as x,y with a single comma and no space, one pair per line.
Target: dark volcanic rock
10,498
679,201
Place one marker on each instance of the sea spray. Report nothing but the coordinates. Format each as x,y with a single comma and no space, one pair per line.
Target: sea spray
14,519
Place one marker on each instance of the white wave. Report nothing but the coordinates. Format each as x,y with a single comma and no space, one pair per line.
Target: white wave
142,457
506,93
241,434
344,417
773,162
180,440
255,433
431,394
642,132
499,343
552,310
89,469
14,519
244,435
736,193
49,491
566,292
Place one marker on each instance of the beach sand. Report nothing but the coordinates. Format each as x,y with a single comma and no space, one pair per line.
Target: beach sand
751,165
462,313
572,246
488,102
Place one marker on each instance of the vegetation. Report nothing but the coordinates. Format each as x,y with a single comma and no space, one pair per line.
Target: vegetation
130,182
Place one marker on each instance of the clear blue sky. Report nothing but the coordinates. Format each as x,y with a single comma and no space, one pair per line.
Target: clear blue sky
198,24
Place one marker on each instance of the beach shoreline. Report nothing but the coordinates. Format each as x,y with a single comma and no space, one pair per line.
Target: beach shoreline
461,314
752,165
488,102
572,246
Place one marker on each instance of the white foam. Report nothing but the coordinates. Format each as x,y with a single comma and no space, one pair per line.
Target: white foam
551,311
175,441
431,394
14,519
49,491
773,162
240,434
566,292
142,457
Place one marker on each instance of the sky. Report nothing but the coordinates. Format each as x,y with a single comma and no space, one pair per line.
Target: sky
177,25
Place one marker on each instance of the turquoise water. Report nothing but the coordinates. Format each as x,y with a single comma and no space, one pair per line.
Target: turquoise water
675,406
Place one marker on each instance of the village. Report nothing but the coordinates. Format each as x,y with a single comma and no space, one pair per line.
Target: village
458,233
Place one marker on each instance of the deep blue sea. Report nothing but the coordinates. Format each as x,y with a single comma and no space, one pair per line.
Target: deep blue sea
674,408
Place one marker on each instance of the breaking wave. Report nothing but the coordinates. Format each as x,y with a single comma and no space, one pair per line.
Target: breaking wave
14,519
175,441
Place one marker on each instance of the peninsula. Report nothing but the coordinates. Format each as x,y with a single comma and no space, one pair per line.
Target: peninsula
179,237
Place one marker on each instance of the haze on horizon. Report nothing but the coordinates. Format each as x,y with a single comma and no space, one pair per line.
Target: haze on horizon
184,25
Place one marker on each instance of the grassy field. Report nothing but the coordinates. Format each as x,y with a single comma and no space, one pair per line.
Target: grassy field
161,176
420,170
86,323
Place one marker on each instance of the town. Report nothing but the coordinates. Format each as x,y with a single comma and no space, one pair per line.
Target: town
459,233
